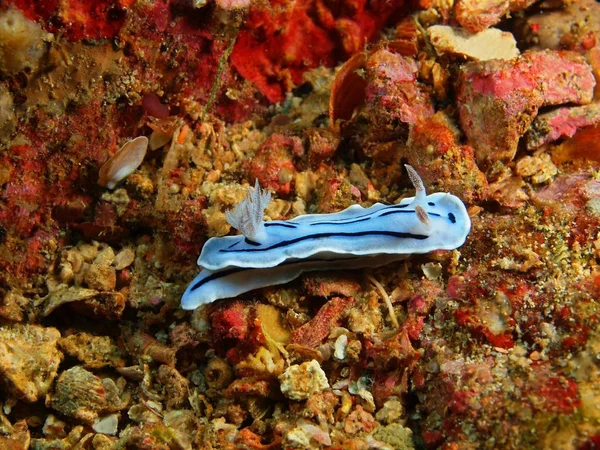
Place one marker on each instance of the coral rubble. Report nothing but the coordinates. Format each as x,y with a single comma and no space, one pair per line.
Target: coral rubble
494,345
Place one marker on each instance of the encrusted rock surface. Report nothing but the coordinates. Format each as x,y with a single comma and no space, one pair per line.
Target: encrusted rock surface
301,381
29,360
82,395
492,345
498,100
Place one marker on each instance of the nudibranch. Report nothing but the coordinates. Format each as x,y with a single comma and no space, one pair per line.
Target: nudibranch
275,252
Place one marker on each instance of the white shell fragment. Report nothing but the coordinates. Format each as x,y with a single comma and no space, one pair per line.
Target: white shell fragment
431,270
340,347
488,44
108,425
123,163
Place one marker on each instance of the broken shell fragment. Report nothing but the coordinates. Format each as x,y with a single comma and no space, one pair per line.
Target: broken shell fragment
272,323
107,425
491,43
124,258
162,131
64,294
123,163
80,394
348,89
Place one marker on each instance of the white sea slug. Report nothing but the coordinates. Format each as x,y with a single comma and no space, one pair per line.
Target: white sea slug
275,252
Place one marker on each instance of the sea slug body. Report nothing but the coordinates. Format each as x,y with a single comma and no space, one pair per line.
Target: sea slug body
275,252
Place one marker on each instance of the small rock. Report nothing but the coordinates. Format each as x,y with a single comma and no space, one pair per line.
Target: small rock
297,438
75,439
359,388
11,307
435,151
396,436
359,421
18,438
273,163
64,294
105,257
322,145
75,258
95,352
174,384
185,425
432,270
66,272
104,306
88,251
54,427
301,381
561,122
498,99
391,412
29,360
124,258
392,92
101,277
539,167
477,15
107,425
489,44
